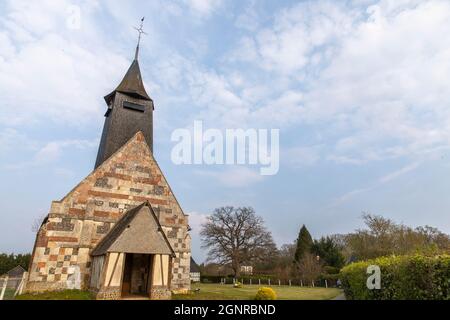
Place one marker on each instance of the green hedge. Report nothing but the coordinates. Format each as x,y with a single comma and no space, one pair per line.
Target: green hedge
402,278
210,279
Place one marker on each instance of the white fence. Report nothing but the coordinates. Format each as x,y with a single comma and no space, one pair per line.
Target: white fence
11,287
272,282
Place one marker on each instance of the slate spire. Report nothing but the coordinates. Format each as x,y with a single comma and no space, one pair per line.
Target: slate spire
132,82
130,110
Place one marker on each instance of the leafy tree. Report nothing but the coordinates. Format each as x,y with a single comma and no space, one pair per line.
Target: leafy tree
329,252
237,236
304,243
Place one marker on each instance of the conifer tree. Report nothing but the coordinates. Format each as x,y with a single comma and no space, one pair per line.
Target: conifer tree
304,243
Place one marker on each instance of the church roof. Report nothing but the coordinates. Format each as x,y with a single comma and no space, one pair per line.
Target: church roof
138,231
131,84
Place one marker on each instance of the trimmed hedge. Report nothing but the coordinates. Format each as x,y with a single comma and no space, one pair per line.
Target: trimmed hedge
402,278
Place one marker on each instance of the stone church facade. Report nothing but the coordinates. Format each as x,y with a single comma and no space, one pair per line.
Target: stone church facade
92,239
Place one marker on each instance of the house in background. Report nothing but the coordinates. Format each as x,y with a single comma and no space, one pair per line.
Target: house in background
14,276
16,272
195,271
247,270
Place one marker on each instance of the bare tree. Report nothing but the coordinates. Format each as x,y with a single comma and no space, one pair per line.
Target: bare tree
37,223
235,236
384,237
309,267
284,267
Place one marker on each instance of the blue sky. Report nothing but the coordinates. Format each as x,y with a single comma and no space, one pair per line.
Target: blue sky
358,89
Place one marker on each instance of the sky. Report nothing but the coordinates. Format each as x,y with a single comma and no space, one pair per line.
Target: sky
358,89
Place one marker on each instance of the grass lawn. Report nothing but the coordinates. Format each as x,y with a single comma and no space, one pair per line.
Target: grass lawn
208,292
248,292
58,295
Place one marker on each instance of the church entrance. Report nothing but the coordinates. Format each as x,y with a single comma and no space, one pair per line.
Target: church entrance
119,273
137,275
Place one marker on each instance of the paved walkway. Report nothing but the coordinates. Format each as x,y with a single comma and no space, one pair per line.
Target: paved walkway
340,297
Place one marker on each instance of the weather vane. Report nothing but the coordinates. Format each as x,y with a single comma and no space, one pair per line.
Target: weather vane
141,32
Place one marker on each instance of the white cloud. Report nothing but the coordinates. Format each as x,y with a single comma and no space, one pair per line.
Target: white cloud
302,156
11,138
381,181
48,71
349,195
393,175
74,81
7,49
389,79
345,160
204,7
250,18
282,111
52,151
372,80
196,220
234,177
289,45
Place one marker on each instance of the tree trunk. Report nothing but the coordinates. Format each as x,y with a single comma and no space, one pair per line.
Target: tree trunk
237,269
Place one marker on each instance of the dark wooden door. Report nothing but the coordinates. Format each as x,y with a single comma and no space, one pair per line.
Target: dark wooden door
148,274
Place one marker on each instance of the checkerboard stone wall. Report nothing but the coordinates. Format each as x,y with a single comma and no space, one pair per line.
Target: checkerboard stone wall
81,219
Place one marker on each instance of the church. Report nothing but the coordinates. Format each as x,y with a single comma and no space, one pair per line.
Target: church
121,231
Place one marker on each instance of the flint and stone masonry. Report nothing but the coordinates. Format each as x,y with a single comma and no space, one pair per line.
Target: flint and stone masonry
126,179
78,222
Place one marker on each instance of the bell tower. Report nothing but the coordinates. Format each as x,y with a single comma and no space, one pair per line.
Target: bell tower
130,110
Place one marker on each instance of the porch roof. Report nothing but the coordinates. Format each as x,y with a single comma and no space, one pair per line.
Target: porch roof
138,231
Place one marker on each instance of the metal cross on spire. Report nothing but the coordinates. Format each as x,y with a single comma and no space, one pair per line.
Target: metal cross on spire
141,31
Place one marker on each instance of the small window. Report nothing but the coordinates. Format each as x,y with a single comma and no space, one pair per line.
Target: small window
133,106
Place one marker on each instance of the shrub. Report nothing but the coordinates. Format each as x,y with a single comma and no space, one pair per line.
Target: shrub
266,294
415,277
330,270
